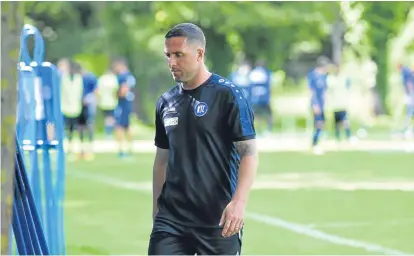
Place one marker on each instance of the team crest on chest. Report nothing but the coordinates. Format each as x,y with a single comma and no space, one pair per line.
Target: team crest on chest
200,109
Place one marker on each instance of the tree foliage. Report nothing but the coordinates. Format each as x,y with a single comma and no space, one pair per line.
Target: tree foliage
383,24
272,31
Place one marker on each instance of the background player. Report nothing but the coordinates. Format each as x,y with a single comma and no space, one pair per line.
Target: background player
90,101
317,85
122,113
260,78
71,97
241,78
408,83
206,156
108,87
338,99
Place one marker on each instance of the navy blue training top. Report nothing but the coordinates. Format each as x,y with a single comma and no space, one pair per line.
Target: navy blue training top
199,127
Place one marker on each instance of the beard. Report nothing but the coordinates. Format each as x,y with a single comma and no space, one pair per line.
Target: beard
181,77
177,79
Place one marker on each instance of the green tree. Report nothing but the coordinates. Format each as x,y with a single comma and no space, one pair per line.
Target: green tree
135,30
11,25
385,21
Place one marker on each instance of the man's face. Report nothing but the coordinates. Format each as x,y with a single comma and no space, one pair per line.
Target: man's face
63,66
184,59
117,67
322,69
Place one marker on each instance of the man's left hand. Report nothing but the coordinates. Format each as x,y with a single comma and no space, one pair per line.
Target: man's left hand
232,218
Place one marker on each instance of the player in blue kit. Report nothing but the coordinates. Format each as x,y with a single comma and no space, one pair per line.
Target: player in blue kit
89,99
124,109
260,78
206,157
318,86
241,78
408,83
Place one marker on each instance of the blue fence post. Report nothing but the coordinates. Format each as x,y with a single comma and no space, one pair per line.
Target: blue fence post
54,139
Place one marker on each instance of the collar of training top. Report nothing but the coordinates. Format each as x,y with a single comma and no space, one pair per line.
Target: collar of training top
182,90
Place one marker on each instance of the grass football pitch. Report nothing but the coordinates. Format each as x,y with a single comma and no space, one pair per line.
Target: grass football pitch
340,203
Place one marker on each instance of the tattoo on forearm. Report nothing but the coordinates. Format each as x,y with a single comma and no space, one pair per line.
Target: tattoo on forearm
246,148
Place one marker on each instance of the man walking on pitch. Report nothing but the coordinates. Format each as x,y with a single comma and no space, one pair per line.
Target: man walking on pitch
206,156
90,82
408,83
317,85
126,81
260,78
240,78
338,97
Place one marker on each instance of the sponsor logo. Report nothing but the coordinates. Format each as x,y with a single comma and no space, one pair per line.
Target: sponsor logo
170,121
171,110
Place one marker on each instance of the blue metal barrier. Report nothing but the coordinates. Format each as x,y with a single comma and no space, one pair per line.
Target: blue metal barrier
30,239
39,139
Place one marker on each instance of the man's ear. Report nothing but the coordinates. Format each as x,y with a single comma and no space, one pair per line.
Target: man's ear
200,54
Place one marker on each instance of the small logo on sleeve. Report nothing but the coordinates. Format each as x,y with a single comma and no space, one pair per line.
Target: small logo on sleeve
200,109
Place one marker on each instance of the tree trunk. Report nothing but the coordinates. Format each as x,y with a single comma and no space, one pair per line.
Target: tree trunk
11,25
380,57
337,40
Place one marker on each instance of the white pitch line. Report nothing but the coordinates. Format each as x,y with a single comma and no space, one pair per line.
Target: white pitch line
407,186
403,186
359,223
273,221
317,234
269,145
129,185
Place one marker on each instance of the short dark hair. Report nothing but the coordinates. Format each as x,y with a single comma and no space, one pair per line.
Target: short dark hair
322,61
120,60
190,31
75,67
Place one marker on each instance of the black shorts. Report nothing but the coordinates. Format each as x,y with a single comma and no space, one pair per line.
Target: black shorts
168,239
70,121
340,116
122,116
83,117
108,113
